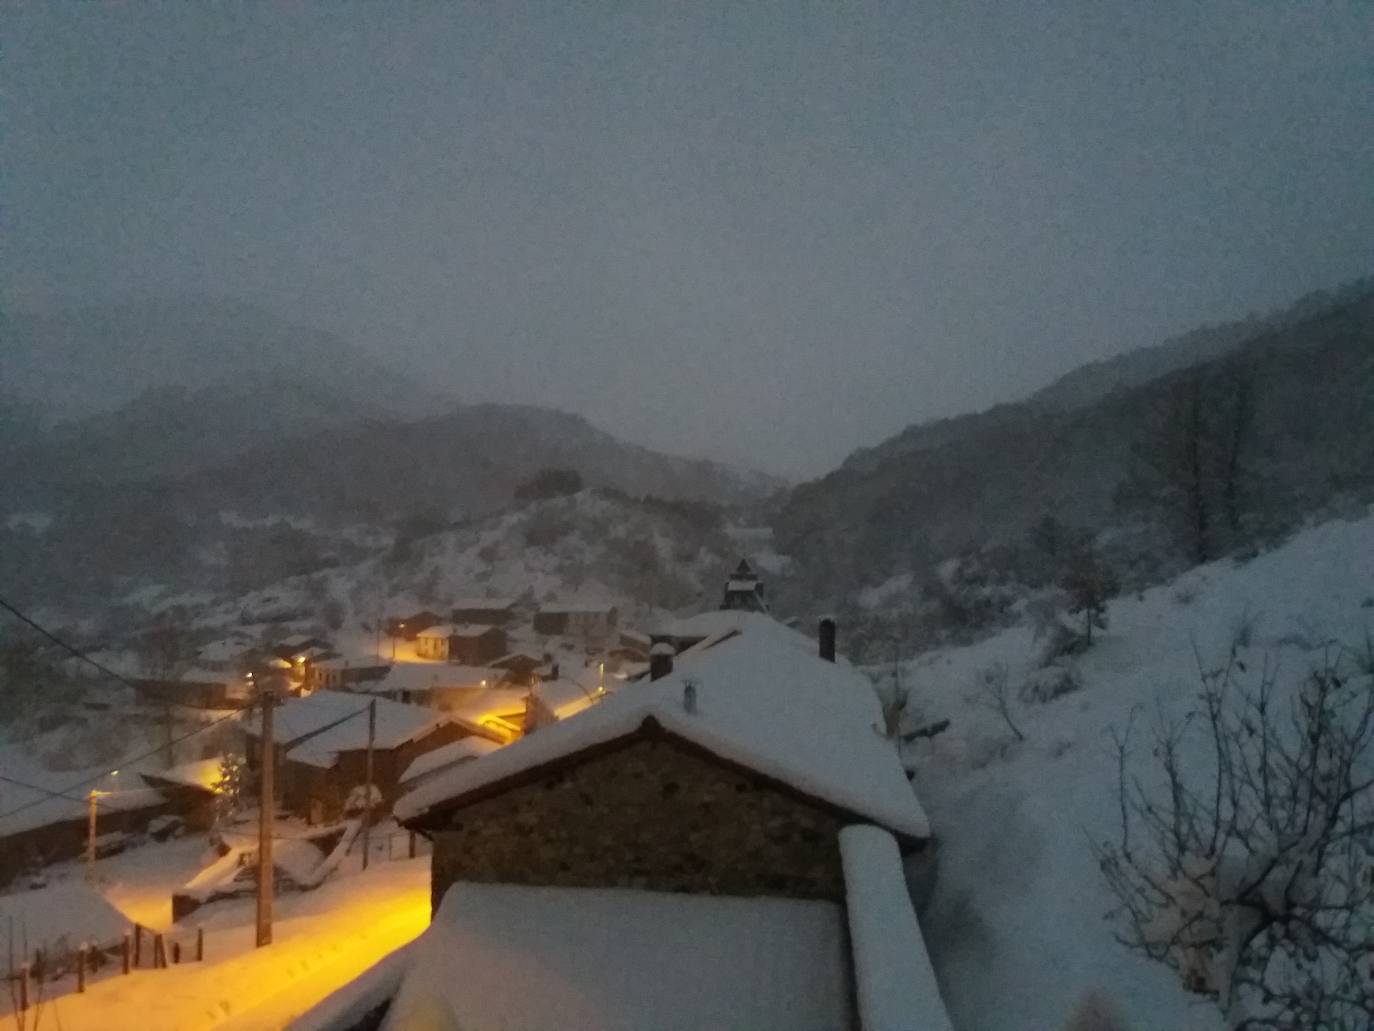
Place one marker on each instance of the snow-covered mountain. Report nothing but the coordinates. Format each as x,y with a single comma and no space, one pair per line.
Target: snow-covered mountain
978,484
78,362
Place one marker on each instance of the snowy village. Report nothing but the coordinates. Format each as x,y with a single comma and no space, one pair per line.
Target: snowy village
687,517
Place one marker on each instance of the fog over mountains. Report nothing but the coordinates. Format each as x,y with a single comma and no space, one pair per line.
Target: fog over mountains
131,432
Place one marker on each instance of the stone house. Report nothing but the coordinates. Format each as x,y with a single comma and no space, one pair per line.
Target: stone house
732,774
718,847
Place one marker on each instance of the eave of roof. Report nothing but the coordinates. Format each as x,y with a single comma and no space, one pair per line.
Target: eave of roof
649,728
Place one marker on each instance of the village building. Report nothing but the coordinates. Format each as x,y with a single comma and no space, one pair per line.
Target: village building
227,654
519,667
719,846
301,646
471,644
485,611
339,672
432,764
499,713
47,825
196,689
595,625
322,745
744,590
408,627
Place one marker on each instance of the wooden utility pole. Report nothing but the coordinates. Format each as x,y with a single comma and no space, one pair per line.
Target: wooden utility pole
367,800
265,787
90,838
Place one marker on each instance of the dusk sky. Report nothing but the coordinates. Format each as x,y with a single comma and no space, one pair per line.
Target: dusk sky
767,232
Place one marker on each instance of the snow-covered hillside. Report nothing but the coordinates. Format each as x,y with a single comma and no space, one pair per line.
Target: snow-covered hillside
594,546
1016,923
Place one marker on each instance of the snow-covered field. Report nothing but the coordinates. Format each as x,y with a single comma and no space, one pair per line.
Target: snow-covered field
1016,926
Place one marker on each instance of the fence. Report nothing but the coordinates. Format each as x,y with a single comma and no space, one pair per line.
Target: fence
141,948
393,845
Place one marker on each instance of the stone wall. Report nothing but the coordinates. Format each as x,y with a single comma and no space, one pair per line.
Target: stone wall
651,815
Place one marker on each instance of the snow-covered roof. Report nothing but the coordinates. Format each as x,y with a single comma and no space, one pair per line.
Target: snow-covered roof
491,701
558,608
893,979
484,603
720,621
201,773
194,677
70,909
463,750
440,630
304,720
366,661
30,808
224,649
423,676
567,696
625,960
762,701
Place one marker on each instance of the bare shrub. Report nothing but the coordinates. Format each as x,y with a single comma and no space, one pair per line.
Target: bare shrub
993,692
1251,874
1096,1012
1049,683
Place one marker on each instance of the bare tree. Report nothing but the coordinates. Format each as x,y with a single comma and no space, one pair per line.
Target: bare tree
1239,412
1248,867
1176,457
1193,462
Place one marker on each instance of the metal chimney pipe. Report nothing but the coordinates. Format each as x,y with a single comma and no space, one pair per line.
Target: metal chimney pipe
826,633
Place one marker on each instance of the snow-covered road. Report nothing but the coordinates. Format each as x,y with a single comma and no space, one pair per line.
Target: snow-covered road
322,940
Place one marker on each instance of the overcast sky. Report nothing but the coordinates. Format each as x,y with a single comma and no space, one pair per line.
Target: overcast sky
767,232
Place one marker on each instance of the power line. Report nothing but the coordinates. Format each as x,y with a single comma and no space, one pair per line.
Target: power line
73,649
123,763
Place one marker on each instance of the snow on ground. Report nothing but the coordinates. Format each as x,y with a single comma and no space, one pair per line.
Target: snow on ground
321,940
1016,927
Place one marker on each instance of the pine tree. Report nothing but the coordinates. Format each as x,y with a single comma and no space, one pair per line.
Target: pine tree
1089,583
229,787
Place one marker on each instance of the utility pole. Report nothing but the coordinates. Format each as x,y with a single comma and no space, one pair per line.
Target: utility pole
367,802
90,838
265,787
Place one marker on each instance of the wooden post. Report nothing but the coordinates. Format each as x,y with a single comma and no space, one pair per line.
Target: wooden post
176,952
138,945
39,964
23,988
367,798
268,750
81,968
126,952
412,844
200,944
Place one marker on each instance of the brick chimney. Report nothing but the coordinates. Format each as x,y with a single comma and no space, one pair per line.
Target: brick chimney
660,660
826,633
